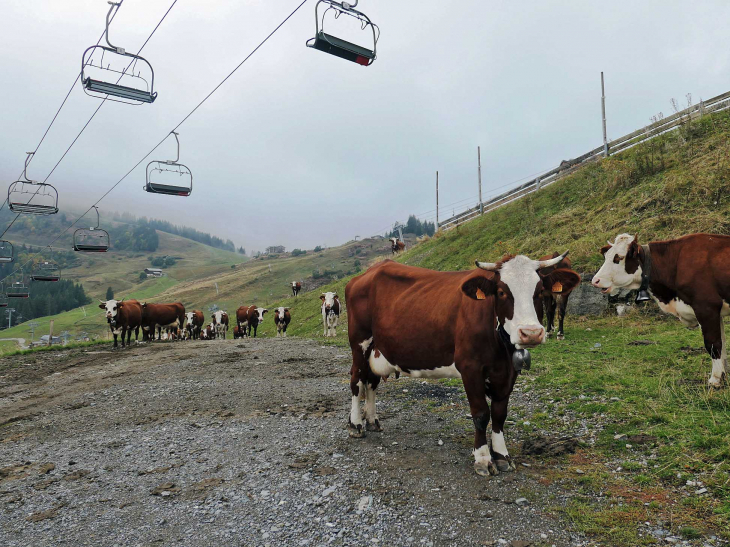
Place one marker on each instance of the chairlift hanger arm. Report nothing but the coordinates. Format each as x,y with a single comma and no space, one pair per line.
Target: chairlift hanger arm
112,5
177,157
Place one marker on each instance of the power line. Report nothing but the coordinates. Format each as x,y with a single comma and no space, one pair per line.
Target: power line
167,134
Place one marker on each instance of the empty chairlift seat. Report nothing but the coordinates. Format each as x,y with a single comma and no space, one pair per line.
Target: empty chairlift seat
168,176
45,271
91,240
112,73
6,252
31,197
18,289
337,46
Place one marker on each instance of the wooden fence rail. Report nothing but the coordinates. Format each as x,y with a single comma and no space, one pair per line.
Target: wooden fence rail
721,102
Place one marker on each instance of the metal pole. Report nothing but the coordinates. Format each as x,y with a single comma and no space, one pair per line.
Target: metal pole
50,334
603,115
437,201
479,159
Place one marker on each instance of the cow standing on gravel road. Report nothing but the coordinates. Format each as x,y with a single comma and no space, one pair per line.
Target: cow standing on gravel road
330,313
123,317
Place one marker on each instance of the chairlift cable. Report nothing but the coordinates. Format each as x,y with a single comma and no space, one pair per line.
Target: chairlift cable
167,134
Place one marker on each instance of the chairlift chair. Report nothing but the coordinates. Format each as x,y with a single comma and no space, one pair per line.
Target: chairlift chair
169,177
47,270
21,193
6,251
337,46
93,239
3,299
18,289
135,89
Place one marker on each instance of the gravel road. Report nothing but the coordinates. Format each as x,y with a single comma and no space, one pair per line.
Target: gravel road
245,443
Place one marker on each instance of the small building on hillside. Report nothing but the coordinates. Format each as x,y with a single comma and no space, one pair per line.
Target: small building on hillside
153,272
55,340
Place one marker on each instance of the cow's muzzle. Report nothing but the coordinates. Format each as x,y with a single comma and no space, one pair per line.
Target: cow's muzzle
530,336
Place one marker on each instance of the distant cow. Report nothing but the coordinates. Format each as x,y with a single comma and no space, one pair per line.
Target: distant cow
123,317
396,246
475,325
296,286
282,318
249,318
688,277
210,332
555,297
155,317
195,320
220,323
330,312
237,333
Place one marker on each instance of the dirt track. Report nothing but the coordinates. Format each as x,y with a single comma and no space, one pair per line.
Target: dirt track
244,443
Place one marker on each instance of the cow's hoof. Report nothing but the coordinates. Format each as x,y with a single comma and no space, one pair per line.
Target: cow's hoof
373,426
716,383
560,336
486,469
505,465
355,431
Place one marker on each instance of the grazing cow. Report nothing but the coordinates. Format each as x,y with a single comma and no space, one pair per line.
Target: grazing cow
555,297
330,312
220,323
195,320
396,246
155,317
123,317
688,277
210,332
296,286
282,318
475,325
237,333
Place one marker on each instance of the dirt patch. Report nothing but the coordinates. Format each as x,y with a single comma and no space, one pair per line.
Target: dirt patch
543,446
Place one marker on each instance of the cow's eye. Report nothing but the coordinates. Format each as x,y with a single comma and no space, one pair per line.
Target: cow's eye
501,293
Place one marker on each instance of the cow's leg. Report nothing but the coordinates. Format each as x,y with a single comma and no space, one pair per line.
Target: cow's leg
549,305
355,425
115,338
562,305
136,334
285,326
324,322
475,391
713,333
371,416
500,455
124,335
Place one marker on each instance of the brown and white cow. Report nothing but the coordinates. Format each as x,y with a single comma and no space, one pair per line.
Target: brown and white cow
688,277
330,313
396,246
194,324
555,298
155,317
210,332
123,316
282,318
475,325
296,286
220,323
249,318
237,333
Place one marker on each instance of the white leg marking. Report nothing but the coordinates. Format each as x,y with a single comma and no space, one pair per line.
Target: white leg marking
370,413
498,444
355,417
718,365
482,455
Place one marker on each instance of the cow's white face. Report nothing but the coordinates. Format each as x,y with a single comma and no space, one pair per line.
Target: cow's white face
394,240
294,284
260,314
219,317
189,315
280,313
111,307
328,300
520,276
613,275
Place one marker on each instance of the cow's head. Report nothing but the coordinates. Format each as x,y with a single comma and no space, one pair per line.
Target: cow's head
328,300
294,284
217,317
621,267
280,312
112,308
260,314
517,286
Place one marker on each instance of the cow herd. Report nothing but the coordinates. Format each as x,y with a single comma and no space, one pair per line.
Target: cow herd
476,325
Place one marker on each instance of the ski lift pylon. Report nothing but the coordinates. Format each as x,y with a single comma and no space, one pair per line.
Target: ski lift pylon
46,270
6,251
169,177
130,88
337,46
22,192
93,239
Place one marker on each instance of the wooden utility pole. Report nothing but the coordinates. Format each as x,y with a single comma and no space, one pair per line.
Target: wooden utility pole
603,115
479,161
437,201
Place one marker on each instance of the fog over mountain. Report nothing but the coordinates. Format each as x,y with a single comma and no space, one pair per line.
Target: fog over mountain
300,148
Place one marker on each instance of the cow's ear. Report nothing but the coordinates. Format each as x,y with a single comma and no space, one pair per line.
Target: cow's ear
561,281
321,297
479,287
605,249
633,250
102,306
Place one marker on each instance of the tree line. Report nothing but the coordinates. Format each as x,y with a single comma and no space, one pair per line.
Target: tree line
416,227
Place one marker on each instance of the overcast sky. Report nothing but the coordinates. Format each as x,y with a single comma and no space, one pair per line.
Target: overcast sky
301,148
